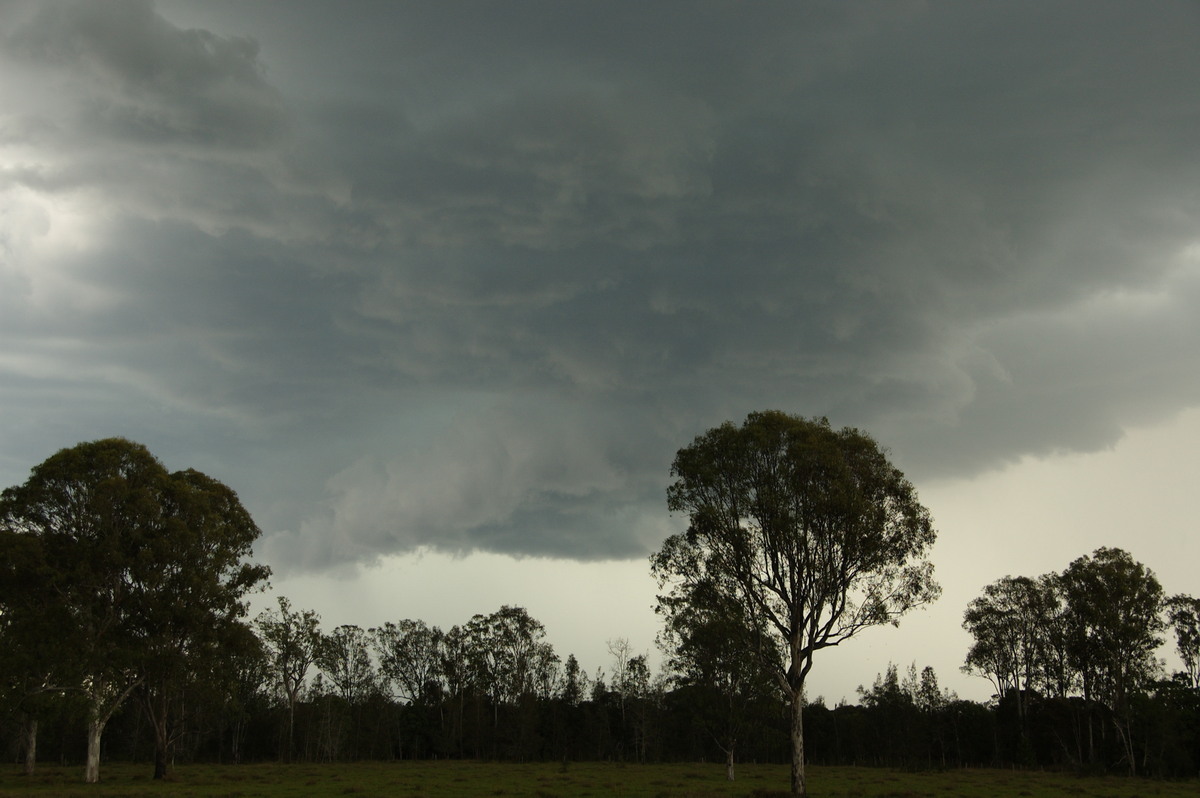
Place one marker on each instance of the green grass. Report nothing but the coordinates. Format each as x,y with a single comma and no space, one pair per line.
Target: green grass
576,780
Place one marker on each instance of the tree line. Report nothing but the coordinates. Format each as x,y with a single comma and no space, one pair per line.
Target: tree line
125,632
1073,660
409,690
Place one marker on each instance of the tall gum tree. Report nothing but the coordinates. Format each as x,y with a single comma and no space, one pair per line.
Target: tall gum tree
291,639
803,535
1010,624
137,572
192,599
1115,606
87,506
1183,613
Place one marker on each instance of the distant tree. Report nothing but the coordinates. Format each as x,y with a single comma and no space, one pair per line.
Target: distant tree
292,638
410,654
575,683
905,717
344,657
621,652
931,701
1009,626
806,534
455,665
892,717
1115,605
929,696
1058,678
641,696
508,648
708,660
886,690
246,691
599,687
1183,614
547,673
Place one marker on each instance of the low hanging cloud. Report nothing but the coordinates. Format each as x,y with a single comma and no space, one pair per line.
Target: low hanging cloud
413,278
526,479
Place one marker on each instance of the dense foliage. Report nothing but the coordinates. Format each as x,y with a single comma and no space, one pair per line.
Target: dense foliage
122,580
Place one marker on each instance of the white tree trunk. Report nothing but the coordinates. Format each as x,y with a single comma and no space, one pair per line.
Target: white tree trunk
799,784
98,717
92,772
31,729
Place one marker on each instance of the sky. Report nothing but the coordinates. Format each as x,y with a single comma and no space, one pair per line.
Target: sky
440,288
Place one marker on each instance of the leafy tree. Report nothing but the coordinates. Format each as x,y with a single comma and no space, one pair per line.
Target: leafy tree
1183,613
509,653
204,574
27,654
642,697
931,701
511,665
906,717
806,535
621,652
456,668
139,572
709,661
1057,677
886,690
92,507
1115,606
292,638
246,691
410,656
575,684
929,697
1009,624
892,714
344,657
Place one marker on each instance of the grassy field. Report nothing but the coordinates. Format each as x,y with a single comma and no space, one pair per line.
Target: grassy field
475,780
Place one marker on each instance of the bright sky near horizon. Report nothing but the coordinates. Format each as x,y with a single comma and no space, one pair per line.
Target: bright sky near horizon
440,288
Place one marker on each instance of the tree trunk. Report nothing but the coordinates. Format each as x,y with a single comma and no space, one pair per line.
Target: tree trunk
99,713
91,773
160,761
157,712
799,785
31,729
1125,733
291,735
729,763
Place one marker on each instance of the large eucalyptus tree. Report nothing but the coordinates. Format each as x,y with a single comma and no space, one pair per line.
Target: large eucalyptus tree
802,535
135,578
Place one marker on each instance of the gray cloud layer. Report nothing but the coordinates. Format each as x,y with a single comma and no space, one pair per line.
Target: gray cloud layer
465,275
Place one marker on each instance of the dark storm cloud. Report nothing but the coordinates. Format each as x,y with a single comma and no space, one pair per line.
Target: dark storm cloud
464,276
146,81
